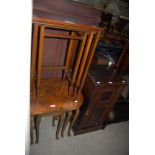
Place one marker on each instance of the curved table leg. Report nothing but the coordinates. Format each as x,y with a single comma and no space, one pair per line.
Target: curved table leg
73,121
66,123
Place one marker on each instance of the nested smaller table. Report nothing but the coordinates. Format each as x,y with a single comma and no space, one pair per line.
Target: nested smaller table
54,100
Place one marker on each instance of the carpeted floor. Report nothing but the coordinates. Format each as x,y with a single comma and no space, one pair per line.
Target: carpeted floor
113,140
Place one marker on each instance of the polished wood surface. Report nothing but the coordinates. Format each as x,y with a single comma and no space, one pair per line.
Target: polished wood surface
62,10
92,51
40,54
54,96
68,56
84,57
65,25
59,96
67,10
33,58
53,100
88,44
52,58
62,36
78,59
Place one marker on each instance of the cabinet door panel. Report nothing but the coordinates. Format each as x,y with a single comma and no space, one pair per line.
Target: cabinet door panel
106,95
95,117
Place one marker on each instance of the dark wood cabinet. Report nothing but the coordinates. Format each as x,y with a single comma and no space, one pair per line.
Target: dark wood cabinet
102,88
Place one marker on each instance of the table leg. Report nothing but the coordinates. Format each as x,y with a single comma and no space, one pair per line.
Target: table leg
37,120
73,121
69,114
53,121
31,129
60,123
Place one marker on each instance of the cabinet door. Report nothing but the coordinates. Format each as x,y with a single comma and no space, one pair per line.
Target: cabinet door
108,95
105,102
94,119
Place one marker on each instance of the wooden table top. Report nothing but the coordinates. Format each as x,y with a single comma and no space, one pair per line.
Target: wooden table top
54,97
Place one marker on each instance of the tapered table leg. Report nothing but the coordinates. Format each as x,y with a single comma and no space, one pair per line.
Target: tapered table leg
73,121
54,119
60,123
66,123
31,129
37,120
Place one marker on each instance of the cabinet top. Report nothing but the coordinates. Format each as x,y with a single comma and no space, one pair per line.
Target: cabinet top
101,75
